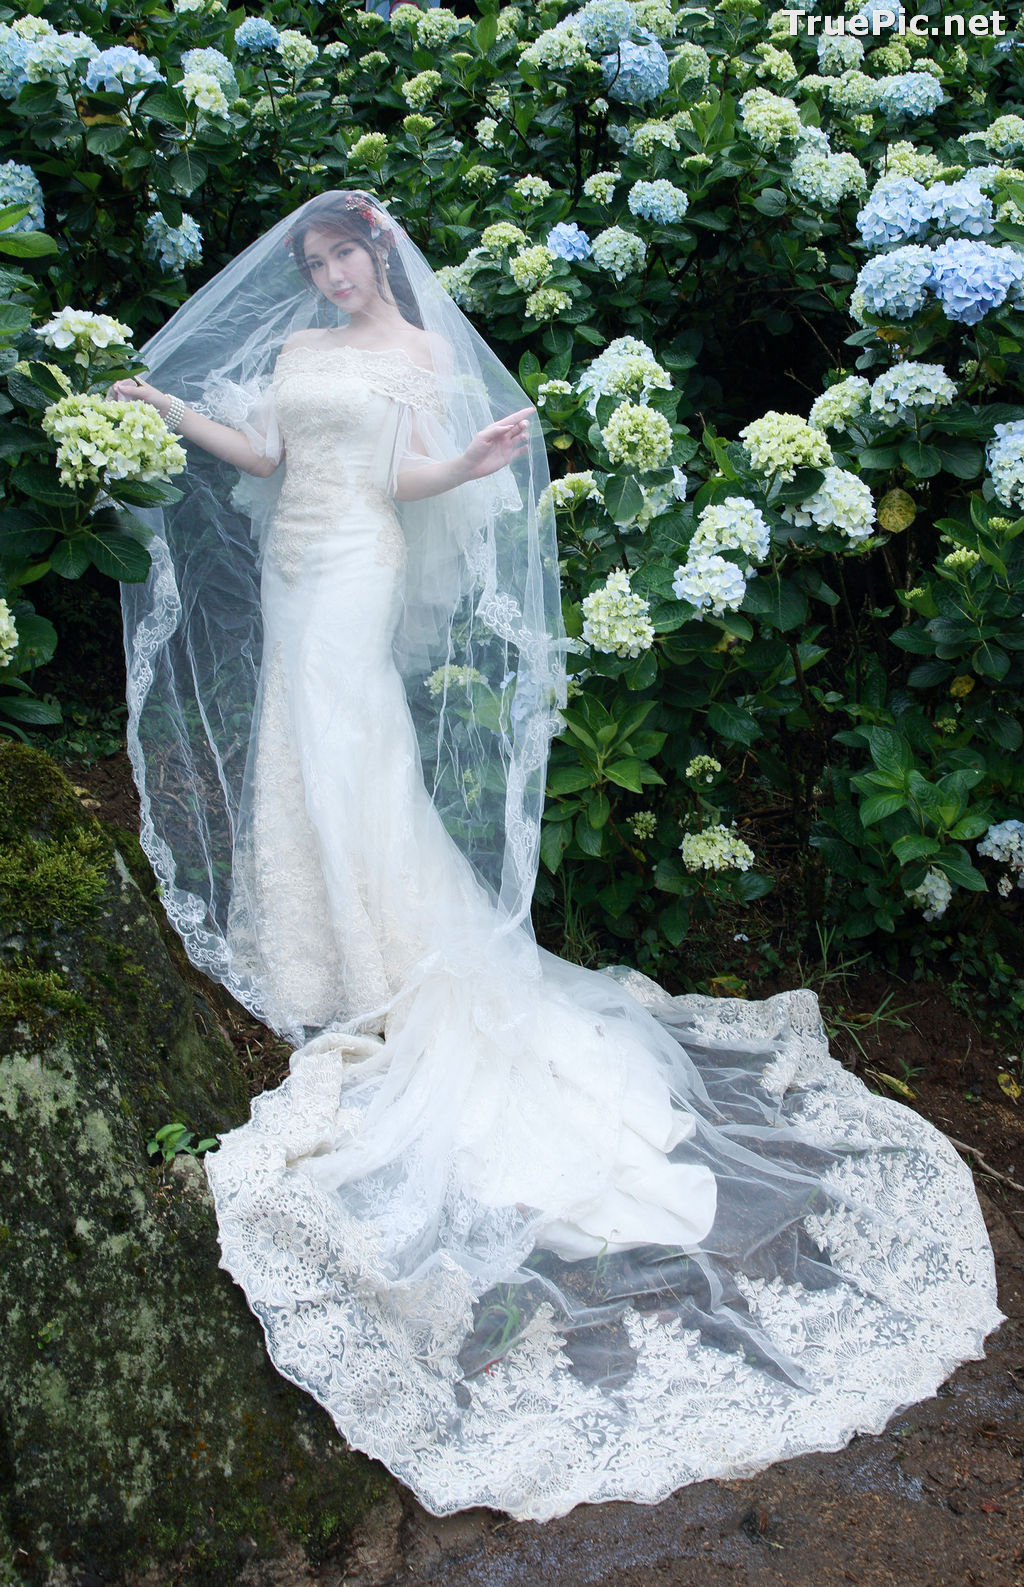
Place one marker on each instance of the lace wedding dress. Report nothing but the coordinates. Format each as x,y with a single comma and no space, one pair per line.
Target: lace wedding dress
533,1235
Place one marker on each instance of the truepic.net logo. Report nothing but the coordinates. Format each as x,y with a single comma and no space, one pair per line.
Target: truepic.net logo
951,26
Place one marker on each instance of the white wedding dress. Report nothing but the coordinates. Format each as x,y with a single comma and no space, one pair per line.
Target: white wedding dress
533,1235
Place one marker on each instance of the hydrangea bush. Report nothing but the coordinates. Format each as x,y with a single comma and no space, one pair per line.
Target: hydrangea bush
767,292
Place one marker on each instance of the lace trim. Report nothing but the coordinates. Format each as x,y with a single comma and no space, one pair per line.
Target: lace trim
388,370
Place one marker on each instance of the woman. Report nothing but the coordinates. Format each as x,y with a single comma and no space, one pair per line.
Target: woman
533,1235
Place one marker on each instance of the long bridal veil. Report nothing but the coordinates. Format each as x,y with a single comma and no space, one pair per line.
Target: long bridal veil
534,1235
479,641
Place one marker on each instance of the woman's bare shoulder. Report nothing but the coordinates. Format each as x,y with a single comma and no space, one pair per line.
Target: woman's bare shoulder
311,337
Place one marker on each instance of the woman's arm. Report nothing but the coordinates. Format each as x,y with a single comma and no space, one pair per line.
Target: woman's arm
221,440
490,449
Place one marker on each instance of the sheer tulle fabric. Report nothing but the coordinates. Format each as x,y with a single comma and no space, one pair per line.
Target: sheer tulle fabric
533,1235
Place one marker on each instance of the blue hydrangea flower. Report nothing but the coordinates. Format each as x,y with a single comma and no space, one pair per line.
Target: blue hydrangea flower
961,206
20,185
970,278
569,241
120,68
1005,458
14,53
256,34
659,201
899,210
892,10
910,94
173,246
895,285
605,24
636,73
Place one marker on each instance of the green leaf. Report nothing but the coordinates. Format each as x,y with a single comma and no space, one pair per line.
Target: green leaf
119,556
890,752
1005,731
27,245
46,381
991,661
630,773
922,460
956,863
674,920
589,840
487,32
748,885
971,826
161,104
568,779
962,459
732,723
33,712
776,601
623,498
599,808
617,897
13,318
37,640
554,840
43,485
879,806
70,559
188,170
914,846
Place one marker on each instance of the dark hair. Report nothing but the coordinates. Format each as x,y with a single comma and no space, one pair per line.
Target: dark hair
355,217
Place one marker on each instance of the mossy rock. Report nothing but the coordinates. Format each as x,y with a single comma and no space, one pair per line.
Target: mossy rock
143,1427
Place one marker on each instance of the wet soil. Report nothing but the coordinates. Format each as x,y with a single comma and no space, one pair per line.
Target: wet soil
937,1500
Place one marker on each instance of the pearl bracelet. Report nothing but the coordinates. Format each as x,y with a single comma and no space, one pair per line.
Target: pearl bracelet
174,415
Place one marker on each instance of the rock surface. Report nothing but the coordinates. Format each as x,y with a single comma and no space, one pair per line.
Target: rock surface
142,1427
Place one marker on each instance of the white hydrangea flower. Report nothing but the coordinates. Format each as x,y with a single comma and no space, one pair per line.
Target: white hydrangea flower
933,894
911,386
296,50
420,90
553,388
1005,458
84,330
560,48
532,266
638,437
710,583
99,437
704,768
620,252
546,303
644,825
535,189
839,54
1004,842
204,91
626,368
768,119
855,92
717,848
780,443
570,490
962,560
486,132
8,634
615,620
842,502
844,401
732,525
824,178
601,186
905,159
652,135
436,27
452,677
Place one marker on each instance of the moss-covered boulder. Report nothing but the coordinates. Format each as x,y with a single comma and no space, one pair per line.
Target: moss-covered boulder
141,1425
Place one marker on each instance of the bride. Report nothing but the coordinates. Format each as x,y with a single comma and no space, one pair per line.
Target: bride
533,1235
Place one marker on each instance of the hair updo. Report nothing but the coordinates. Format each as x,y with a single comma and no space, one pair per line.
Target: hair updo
356,217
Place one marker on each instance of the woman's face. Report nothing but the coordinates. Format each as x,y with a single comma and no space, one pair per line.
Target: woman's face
342,270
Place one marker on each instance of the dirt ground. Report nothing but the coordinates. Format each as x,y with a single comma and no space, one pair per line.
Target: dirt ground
937,1500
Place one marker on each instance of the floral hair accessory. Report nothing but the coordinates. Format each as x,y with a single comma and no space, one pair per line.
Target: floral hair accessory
368,212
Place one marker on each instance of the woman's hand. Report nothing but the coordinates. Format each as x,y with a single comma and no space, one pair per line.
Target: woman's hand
139,391
495,446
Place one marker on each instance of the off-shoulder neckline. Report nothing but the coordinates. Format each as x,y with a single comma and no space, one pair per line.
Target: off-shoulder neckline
353,347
